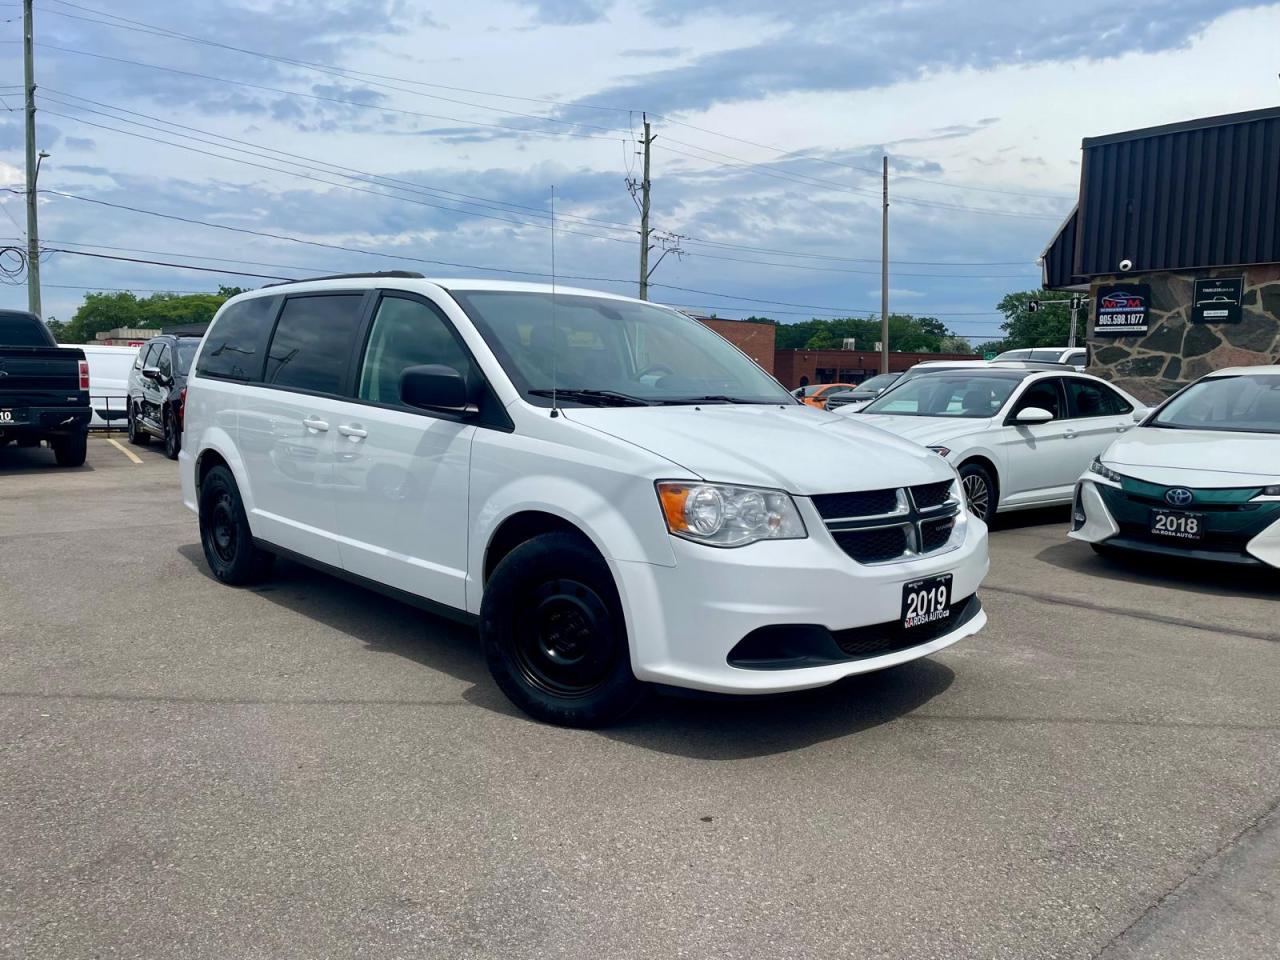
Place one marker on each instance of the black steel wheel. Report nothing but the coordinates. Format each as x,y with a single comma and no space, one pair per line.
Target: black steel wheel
979,490
172,436
224,532
554,635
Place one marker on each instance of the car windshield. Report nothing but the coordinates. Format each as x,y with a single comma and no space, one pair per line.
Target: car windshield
1242,404
1015,355
949,394
186,353
878,382
597,351
1052,355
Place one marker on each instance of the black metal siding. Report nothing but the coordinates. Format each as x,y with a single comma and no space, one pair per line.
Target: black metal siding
1180,197
1059,258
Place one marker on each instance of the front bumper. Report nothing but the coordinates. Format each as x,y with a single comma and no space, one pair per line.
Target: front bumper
685,621
1240,533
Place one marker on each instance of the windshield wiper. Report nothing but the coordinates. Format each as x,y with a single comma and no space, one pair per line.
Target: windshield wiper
602,398
710,398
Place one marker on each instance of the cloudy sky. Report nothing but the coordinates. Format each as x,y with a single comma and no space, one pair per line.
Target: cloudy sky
375,134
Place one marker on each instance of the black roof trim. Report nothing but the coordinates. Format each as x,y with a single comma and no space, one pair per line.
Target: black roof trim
1226,119
373,275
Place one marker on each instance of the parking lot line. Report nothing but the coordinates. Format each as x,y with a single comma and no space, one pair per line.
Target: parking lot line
125,450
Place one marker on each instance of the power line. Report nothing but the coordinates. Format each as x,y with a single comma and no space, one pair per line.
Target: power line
161,263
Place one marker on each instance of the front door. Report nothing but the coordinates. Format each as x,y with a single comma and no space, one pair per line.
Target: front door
286,427
401,474
1038,456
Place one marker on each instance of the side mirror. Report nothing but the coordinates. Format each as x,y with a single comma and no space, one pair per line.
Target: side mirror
434,386
1140,415
151,373
1030,415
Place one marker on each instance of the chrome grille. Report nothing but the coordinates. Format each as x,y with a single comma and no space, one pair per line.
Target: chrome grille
881,526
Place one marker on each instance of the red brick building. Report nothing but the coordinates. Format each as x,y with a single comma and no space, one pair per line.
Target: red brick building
753,338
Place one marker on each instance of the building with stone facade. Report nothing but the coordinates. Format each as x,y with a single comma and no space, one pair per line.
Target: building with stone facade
1175,240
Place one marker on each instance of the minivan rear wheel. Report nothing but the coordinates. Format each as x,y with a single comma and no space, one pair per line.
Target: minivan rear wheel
554,635
224,532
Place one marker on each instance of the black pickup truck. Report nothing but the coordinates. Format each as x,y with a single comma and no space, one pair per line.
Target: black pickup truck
44,389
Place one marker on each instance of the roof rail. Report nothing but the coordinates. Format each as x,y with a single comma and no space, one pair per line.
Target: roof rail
376,274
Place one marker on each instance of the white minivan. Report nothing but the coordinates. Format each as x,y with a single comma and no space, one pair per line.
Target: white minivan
616,495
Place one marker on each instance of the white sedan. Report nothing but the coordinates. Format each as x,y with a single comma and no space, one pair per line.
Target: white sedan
1199,480
1018,438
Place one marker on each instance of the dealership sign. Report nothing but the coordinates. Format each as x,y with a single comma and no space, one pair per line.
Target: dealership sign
1121,308
1217,300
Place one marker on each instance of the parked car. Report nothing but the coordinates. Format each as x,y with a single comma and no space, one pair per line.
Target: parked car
1077,357
109,368
1199,479
158,389
863,393
613,492
815,395
44,389
1018,438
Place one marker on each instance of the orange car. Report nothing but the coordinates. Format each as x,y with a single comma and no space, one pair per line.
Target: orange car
815,395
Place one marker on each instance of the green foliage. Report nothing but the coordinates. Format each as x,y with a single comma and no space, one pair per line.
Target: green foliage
1048,327
906,334
106,311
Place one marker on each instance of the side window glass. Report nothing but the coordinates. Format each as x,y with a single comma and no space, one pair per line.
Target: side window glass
237,343
137,360
149,354
314,339
165,361
406,333
1095,400
1045,395
1119,404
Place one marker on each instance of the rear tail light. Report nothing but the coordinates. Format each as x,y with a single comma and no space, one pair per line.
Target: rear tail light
84,374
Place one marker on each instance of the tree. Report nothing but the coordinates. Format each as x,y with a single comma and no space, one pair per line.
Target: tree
1048,327
954,344
907,333
106,311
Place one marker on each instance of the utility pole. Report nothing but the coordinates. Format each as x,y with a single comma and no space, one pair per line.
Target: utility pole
884,274
645,238
33,234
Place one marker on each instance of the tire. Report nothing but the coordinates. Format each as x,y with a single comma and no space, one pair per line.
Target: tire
980,490
553,633
172,436
70,449
137,434
224,532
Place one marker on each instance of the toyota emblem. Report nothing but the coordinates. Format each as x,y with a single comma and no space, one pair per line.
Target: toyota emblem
1179,496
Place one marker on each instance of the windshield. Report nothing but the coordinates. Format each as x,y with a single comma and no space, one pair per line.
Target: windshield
946,395
186,353
600,352
878,382
1015,355
1243,404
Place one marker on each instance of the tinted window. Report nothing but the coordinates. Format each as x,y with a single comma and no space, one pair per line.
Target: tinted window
1086,399
237,342
21,330
314,339
947,394
186,351
1043,394
405,333
165,361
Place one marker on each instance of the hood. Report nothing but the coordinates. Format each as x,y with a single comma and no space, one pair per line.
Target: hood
925,430
1206,458
794,448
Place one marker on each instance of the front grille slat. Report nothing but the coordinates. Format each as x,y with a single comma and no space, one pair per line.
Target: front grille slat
880,526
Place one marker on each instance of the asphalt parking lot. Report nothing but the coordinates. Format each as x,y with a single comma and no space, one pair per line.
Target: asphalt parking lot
308,770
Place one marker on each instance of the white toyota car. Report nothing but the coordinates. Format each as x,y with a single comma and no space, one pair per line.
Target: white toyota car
1019,438
1200,479
615,494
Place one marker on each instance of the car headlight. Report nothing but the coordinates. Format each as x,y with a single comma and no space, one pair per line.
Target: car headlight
941,451
720,515
1269,493
1102,470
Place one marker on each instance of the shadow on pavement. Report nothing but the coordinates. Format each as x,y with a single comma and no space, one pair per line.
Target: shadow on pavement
699,726
14,459
1142,569
1039,517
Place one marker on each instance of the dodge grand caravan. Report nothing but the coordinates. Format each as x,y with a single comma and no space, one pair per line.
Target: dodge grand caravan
613,493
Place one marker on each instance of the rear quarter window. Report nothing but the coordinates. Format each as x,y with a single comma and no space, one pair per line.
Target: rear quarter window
21,330
236,345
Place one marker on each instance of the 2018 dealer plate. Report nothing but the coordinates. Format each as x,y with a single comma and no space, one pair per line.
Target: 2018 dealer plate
1177,525
926,601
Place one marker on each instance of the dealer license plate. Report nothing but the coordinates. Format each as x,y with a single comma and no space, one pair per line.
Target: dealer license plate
10,415
926,601
1177,525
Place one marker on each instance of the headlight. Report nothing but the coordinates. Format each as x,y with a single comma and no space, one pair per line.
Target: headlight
943,452
725,516
1269,493
1103,471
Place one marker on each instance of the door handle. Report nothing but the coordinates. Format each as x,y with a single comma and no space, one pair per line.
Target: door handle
312,423
1121,429
352,431
1069,434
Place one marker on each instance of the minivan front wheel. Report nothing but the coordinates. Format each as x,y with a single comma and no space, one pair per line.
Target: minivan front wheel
553,633
224,532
